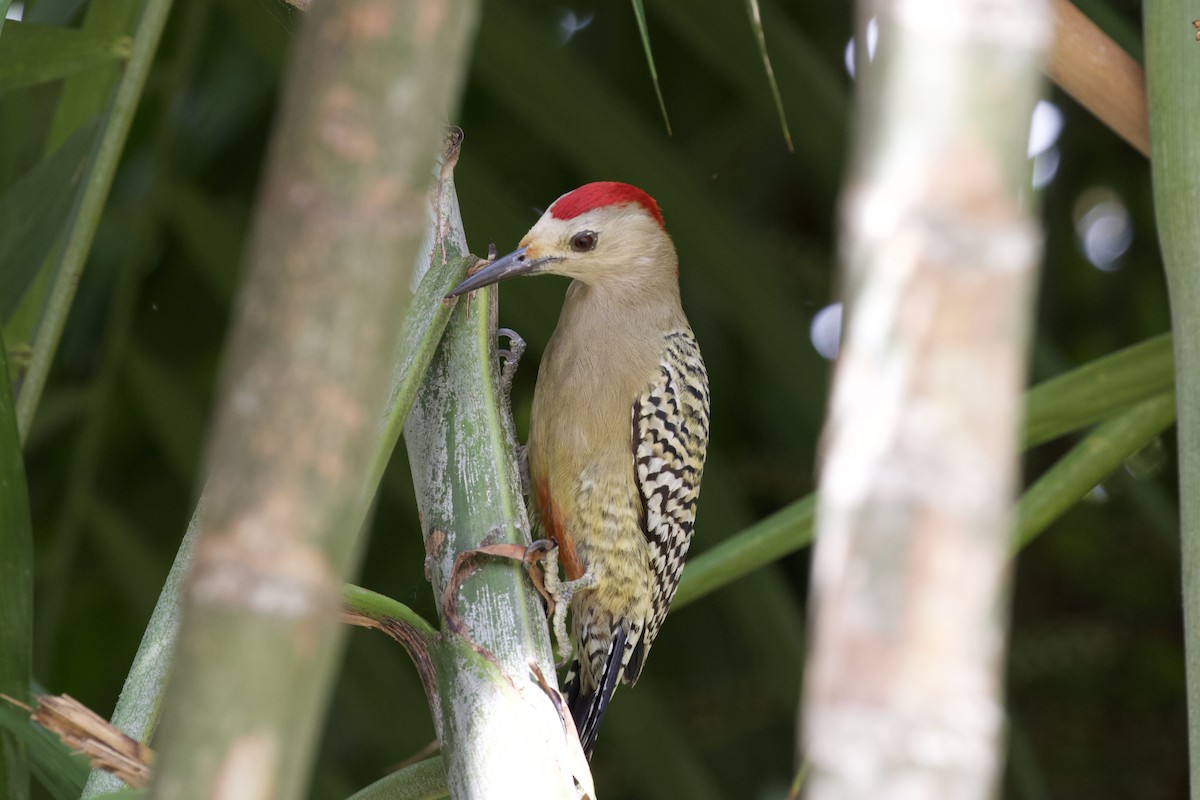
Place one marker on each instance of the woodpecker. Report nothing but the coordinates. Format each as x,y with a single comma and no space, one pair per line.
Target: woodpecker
618,429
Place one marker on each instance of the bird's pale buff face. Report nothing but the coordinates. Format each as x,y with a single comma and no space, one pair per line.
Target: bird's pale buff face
617,247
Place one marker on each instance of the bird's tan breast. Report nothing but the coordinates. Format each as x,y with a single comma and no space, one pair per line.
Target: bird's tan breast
580,448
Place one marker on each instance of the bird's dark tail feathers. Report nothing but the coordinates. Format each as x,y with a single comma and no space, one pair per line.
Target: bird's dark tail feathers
588,708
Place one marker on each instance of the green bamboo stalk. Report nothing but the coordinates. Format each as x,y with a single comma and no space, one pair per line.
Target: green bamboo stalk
382,608
501,733
338,228
86,216
16,588
1172,63
137,707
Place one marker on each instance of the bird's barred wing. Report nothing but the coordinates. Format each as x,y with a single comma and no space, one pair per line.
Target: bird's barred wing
670,439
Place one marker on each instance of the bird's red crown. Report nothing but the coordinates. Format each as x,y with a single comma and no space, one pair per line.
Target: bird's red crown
600,194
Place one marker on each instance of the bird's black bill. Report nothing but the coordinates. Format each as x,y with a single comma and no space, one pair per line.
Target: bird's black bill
510,266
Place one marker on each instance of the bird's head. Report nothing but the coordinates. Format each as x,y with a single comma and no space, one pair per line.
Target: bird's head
606,234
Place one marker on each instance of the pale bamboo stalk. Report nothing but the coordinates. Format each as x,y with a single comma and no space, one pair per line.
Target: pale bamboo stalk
910,574
338,226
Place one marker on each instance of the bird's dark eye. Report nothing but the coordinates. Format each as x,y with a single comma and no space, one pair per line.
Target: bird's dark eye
584,241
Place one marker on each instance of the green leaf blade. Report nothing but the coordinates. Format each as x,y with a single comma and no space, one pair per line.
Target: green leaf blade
639,12
761,37
31,54
33,211
16,588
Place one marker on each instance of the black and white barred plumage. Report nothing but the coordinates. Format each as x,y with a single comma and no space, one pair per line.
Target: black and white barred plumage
669,441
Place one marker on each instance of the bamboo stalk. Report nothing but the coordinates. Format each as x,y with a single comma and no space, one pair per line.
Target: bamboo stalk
338,227
503,727
1172,60
1102,77
903,688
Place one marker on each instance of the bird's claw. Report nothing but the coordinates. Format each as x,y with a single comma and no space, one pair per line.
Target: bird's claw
555,590
512,357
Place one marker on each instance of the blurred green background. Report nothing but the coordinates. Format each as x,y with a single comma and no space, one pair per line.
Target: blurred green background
559,94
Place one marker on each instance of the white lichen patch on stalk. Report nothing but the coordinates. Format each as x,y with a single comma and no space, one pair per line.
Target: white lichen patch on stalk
494,619
518,722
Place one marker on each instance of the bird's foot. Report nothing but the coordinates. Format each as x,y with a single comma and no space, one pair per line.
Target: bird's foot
512,357
556,591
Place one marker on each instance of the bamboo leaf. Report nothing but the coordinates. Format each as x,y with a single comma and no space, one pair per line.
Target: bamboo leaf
137,709
55,767
1098,390
32,213
1088,463
761,37
31,54
85,216
639,13
83,98
425,780
86,94
16,588
813,82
